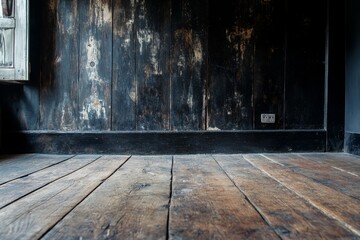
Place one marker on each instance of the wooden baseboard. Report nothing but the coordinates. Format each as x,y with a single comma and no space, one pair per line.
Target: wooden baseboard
165,142
352,143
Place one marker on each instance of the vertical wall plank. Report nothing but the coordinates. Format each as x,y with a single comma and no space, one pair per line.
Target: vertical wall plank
336,76
95,64
59,69
188,64
305,72
124,84
231,58
269,62
152,20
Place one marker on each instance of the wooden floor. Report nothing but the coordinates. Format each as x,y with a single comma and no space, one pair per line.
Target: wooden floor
257,196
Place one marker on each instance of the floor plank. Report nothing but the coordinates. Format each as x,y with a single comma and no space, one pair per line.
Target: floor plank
32,216
134,204
321,172
20,187
331,202
339,161
206,205
251,196
18,166
291,217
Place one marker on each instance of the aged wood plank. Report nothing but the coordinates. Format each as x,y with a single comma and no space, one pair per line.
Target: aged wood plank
59,67
17,166
18,188
231,60
342,162
95,64
334,204
189,23
132,204
334,177
32,216
291,217
152,24
305,64
269,37
205,204
124,82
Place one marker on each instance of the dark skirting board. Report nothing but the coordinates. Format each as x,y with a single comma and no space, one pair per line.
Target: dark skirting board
352,143
162,142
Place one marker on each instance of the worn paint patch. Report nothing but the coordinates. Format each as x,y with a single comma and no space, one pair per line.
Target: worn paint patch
93,106
144,36
67,118
102,12
239,34
153,68
191,51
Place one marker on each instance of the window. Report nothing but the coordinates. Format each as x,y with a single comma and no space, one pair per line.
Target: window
14,40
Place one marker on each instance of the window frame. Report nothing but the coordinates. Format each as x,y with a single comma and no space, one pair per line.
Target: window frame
20,22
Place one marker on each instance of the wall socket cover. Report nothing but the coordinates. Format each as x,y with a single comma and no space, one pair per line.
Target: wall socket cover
267,118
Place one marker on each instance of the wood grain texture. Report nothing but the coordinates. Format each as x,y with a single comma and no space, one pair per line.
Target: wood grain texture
152,24
134,204
206,205
347,162
189,21
231,62
124,63
59,67
305,67
334,204
18,188
95,64
334,177
290,216
175,65
18,166
269,62
31,217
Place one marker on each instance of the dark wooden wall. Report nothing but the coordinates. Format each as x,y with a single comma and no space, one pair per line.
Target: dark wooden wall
352,106
172,65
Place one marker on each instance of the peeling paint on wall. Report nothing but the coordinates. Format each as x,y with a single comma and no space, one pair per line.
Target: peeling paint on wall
93,106
103,12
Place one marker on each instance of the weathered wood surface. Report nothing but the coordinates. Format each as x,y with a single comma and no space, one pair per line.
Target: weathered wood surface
231,60
18,188
33,216
152,47
189,21
124,81
331,176
346,162
14,167
269,62
134,204
205,204
59,88
173,65
95,64
334,204
291,217
305,64
189,197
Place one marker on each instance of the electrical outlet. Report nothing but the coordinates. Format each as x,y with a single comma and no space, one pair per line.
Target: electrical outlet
267,118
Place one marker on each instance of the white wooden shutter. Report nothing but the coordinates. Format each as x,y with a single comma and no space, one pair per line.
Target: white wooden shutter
14,43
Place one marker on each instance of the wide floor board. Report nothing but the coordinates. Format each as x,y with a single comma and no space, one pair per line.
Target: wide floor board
248,196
